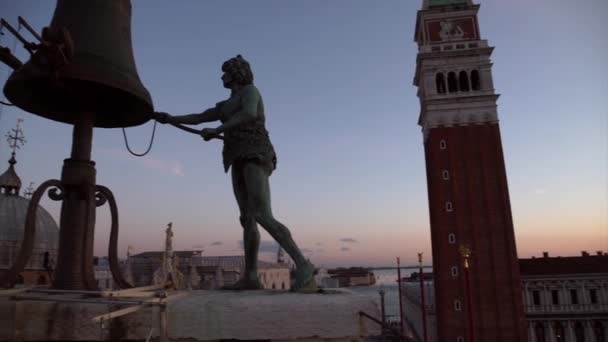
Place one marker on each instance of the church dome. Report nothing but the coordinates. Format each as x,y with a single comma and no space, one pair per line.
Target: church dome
13,211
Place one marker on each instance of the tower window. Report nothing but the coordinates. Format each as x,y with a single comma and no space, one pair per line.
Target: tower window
457,305
448,206
463,79
459,339
452,82
445,174
475,85
440,83
452,238
454,271
442,144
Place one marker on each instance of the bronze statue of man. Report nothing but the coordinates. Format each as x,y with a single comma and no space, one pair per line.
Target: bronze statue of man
248,150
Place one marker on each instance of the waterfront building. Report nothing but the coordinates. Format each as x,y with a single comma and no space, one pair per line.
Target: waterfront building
469,205
324,279
353,276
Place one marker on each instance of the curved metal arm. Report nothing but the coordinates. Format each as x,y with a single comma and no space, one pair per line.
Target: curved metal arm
89,234
105,195
7,279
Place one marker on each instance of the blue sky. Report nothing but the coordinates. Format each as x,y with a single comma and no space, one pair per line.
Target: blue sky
342,112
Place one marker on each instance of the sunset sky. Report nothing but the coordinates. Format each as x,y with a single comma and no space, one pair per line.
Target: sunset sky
336,77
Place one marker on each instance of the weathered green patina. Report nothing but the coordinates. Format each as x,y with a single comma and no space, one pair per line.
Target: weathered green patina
250,154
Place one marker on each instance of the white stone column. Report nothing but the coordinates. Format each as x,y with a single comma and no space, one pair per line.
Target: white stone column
531,332
570,337
589,333
550,334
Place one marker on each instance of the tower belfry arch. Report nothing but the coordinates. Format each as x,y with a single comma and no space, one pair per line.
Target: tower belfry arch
470,213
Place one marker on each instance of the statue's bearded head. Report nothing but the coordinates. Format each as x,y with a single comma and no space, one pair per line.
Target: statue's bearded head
236,71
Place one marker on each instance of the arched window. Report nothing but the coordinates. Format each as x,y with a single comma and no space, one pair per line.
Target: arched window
475,85
442,144
448,206
274,287
283,286
46,261
41,280
440,83
452,238
598,330
539,331
452,82
463,79
457,305
558,330
579,332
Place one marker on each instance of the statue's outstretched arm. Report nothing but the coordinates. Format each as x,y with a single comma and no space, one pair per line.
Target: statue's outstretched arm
208,115
248,111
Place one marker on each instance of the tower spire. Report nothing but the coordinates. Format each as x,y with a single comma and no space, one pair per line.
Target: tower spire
10,183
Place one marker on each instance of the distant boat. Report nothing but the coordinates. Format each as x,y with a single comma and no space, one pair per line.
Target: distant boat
415,276
353,276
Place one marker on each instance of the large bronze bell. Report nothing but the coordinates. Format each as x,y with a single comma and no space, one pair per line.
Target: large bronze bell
82,73
85,64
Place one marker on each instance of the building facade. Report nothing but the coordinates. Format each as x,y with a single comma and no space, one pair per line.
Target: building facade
566,298
206,272
468,195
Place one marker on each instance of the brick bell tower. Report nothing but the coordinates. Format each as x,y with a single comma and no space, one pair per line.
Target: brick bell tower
466,178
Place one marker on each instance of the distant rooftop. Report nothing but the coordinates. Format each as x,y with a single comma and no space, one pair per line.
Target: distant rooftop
228,261
546,265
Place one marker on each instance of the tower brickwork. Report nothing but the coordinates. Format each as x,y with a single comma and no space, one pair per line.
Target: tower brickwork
466,178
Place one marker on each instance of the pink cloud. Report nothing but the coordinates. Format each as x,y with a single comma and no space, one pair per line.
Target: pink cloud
171,166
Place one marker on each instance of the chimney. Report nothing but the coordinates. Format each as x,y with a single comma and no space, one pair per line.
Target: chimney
545,254
600,253
585,253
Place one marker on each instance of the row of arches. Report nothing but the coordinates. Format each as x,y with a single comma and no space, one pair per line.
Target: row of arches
463,81
559,334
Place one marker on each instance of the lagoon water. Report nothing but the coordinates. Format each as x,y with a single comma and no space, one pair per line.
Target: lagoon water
387,280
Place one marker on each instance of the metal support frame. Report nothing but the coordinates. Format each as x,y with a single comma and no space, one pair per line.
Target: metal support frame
153,296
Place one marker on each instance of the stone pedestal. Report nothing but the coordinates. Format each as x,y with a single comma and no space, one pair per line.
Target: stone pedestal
201,316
